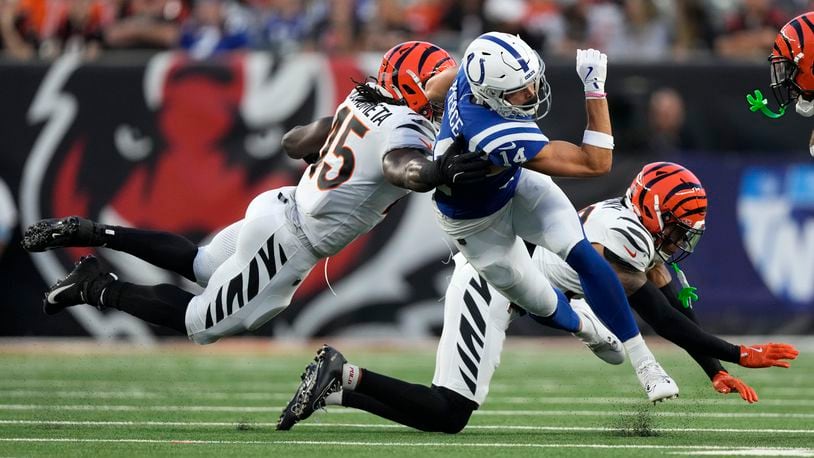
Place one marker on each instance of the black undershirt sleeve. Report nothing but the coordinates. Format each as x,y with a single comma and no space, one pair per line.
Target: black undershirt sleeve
656,308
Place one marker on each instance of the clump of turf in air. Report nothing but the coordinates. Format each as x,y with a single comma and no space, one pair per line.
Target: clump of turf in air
638,424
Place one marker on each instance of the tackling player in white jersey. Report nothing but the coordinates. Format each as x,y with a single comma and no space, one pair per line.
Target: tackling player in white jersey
658,222
378,149
661,218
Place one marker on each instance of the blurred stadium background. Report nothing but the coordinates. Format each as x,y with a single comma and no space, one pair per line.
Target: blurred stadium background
168,114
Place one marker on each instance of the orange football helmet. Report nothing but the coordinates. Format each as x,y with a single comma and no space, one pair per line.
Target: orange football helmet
406,68
792,60
672,205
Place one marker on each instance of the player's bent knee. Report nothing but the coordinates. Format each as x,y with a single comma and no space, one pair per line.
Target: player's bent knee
459,410
456,421
501,276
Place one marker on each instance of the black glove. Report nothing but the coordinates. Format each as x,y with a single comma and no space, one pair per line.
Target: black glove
458,167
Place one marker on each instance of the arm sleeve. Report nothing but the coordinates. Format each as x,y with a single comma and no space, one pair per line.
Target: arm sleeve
654,307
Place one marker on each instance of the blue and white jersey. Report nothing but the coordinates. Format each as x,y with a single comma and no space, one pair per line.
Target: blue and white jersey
507,144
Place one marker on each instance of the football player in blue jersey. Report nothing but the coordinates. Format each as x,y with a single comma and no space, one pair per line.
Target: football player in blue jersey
493,104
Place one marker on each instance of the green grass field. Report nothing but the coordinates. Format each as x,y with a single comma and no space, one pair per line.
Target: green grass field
548,397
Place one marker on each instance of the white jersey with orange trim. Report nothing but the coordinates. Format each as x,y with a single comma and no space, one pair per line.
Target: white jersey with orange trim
611,224
345,193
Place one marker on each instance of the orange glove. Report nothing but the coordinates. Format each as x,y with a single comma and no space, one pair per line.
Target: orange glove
725,383
767,355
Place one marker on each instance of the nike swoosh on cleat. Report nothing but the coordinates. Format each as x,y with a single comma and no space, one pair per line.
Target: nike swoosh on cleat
757,350
53,294
632,254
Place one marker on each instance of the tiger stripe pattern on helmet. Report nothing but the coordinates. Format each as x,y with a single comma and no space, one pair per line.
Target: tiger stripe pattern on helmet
792,60
407,67
664,190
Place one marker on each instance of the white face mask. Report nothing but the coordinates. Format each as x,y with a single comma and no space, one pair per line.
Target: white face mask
804,107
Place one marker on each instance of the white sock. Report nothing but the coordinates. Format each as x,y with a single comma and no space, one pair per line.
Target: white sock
351,374
637,350
334,399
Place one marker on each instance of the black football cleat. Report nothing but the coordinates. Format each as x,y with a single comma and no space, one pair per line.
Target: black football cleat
321,378
84,285
72,231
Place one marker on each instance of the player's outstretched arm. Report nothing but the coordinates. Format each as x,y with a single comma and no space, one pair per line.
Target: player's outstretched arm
754,356
304,142
767,355
410,169
595,156
724,382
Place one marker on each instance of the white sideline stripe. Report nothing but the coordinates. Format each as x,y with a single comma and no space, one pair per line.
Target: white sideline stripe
750,452
400,444
220,424
543,387
286,395
277,409
254,396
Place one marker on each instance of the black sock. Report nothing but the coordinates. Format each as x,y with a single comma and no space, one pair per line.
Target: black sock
368,404
435,409
162,249
164,305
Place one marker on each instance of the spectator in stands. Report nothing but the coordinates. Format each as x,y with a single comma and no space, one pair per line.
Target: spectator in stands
575,18
16,30
386,27
636,31
338,26
211,30
146,24
667,132
751,30
79,29
462,22
46,28
694,32
284,24
543,25
423,17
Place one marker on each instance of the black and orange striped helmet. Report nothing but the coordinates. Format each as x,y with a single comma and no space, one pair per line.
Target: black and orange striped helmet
406,68
672,205
792,60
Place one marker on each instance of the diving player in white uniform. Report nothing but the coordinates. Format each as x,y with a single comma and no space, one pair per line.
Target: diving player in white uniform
658,222
661,218
378,149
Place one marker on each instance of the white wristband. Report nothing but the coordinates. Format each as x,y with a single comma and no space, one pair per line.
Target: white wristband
598,139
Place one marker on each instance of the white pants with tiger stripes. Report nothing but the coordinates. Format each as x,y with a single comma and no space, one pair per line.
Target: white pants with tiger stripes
252,277
476,317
